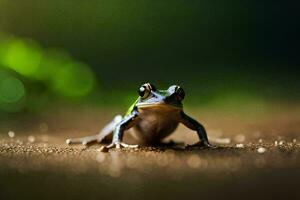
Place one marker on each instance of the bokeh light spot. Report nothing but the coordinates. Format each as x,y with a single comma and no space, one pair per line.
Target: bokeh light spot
74,80
11,90
51,63
23,57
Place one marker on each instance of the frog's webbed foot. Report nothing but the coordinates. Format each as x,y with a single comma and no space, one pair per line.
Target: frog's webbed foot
117,145
202,144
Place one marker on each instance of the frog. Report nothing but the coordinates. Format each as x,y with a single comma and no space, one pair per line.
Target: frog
152,117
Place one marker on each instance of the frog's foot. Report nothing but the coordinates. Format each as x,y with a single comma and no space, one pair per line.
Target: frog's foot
84,140
117,145
202,144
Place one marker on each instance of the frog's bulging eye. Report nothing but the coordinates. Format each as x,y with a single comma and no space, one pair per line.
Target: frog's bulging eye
145,91
180,94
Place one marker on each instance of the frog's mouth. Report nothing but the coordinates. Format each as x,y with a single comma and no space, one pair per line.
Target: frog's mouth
157,105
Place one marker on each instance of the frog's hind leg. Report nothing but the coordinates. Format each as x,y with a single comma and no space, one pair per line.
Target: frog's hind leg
107,130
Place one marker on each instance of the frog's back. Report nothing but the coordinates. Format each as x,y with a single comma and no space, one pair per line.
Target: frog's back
155,123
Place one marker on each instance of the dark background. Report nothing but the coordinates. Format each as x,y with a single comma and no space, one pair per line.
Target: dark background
208,47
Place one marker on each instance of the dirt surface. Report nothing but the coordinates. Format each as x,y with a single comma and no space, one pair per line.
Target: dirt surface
259,158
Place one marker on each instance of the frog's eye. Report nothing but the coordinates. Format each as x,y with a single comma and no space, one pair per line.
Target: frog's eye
145,90
180,94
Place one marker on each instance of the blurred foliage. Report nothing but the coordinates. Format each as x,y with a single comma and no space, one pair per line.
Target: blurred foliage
222,52
22,59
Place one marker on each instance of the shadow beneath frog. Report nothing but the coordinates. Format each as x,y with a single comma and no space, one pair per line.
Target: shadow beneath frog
172,145
183,147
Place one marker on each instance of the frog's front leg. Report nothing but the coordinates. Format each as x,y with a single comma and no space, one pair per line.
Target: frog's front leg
196,126
127,122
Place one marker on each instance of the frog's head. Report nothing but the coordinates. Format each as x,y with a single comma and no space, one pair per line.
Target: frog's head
150,96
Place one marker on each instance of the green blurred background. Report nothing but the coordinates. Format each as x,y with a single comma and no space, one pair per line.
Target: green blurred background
98,53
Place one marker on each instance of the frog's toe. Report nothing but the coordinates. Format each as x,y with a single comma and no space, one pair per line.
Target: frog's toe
104,149
68,141
129,145
117,145
211,146
202,144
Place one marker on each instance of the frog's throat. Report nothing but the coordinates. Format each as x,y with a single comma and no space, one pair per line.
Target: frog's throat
157,105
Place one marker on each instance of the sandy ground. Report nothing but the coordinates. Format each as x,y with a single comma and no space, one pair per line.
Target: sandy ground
259,159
